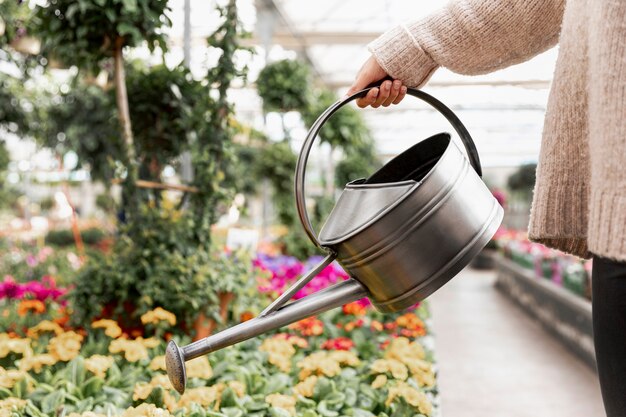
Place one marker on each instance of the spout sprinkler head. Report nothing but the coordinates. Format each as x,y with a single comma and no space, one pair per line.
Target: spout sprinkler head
175,364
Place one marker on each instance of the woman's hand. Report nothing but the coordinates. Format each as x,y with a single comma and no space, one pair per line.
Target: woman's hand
388,93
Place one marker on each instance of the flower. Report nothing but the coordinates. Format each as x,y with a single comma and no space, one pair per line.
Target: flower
355,308
199,368
26,306
13,345
326,363
413,325
146,410
8,377
379,381
149,343
158,363
308,327
99,365
134,350
404,350
37,362
111,328
293,339
377,326
279,352
392,366
203,396
12,406
245,316
305,388
353,325
339,343
44,326
65,346
413,397
285,402
158,315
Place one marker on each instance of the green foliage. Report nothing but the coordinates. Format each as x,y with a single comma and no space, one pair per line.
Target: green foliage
167,269
212,153
65,237
283,85
84,32
357,164
84,120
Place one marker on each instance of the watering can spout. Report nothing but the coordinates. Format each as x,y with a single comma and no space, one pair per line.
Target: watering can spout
329,298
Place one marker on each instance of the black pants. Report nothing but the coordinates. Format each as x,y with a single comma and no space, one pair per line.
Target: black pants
609,329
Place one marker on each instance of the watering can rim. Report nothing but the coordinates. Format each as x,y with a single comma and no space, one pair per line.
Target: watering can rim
329,243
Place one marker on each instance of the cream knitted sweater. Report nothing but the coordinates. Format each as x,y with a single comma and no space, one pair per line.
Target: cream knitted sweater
579,203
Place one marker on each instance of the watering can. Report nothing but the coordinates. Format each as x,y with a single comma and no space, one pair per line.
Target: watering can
400,234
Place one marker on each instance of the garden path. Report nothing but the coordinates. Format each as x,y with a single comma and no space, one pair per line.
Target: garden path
494,361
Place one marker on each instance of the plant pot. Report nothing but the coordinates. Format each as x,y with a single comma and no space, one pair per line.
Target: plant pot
205,326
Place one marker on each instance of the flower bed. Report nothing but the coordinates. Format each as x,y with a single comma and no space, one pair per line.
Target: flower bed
569,272
348,362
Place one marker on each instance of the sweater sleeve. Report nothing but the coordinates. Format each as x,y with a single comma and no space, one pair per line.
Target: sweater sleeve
469,37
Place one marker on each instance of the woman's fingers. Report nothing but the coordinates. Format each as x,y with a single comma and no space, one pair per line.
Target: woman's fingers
393,94
383,94
401,95
369,99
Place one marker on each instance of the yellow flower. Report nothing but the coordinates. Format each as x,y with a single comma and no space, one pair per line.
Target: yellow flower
285,402
199,368
146,410
111,328
12,406
143,389
404,350
8,377
158,363
279,352
395,367
380,381
134,350
149,343
65,346
99,365
305,388
44,326
203,396
8,345
416,398
37,362
158,315
326,363
422,372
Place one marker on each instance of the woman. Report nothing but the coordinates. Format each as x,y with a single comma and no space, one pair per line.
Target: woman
579,203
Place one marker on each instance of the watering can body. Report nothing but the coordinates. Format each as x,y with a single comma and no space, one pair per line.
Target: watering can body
400,234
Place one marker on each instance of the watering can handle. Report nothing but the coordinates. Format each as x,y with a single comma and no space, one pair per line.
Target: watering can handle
470,147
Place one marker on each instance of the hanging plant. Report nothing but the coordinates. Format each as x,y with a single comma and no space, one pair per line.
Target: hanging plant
283,86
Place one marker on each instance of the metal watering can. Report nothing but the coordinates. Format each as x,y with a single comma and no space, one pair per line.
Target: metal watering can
400,234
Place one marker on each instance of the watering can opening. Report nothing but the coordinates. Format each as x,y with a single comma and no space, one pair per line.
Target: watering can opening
363,201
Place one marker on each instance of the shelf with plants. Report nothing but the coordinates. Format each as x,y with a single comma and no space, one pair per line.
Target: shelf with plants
566,271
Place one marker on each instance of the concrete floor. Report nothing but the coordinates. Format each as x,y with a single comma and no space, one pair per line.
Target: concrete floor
494,361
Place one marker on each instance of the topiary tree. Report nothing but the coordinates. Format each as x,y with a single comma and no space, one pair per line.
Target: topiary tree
283,86
87,32
522,181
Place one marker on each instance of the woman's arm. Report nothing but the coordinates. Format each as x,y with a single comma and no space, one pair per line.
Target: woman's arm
469,37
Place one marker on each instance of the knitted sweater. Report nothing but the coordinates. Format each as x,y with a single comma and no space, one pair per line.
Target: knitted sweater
579,202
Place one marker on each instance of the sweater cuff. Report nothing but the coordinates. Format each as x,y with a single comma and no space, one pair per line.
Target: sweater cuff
402,57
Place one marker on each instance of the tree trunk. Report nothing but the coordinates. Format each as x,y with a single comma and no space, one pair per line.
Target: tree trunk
121,98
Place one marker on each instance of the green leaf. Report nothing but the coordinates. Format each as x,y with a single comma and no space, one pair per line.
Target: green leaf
130,6
51,402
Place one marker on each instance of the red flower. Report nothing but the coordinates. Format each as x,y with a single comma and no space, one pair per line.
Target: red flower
309,327
339,343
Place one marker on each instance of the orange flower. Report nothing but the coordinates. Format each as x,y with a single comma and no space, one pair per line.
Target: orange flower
27,306
413,325
245,316
355,308
309,327
339,343
353,324
377,326
63,317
